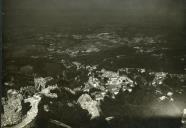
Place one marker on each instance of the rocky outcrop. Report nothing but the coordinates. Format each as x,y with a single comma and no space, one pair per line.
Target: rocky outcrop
87,103
30,117
108,83
12,108
29,120
117,82
159,78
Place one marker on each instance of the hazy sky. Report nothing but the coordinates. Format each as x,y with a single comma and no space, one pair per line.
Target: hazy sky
56,10
94,4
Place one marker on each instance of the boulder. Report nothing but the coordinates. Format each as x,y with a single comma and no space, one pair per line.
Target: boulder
87,103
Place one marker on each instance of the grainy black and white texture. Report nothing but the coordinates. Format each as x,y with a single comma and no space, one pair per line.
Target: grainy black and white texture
94,64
